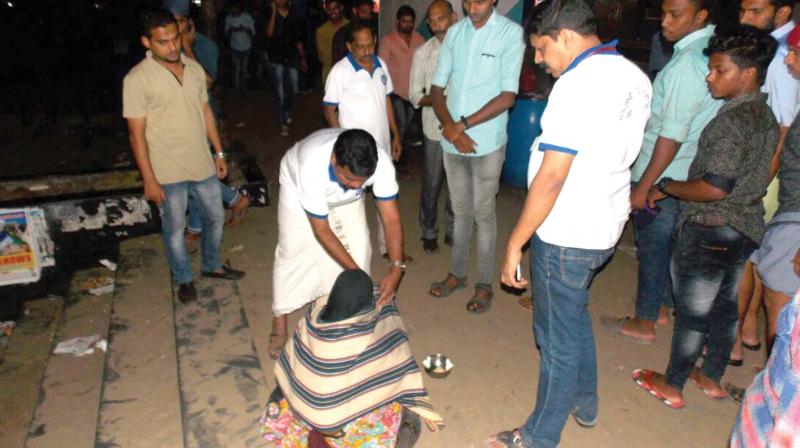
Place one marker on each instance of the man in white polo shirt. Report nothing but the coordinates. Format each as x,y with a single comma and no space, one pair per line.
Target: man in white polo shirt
358,87
322,227
577,205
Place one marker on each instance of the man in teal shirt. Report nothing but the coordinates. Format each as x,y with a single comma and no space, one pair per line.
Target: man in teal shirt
681,108
479,65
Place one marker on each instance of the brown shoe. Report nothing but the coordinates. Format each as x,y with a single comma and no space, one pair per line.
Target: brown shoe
238,210
187,292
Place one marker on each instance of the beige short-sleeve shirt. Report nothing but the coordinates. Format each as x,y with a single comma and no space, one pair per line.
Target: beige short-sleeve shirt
175,127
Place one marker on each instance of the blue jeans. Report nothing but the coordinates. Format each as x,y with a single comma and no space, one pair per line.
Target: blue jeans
285,86
230,196
432,180
173,221
240,63
654,248
561,277
473,183
707,267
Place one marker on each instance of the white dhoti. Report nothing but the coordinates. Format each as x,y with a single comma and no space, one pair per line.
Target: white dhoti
303,269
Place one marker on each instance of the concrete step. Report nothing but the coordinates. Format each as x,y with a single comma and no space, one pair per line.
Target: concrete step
222,383
23,366
70,391
140,404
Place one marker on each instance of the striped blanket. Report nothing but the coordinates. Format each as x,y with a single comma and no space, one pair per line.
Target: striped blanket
333,373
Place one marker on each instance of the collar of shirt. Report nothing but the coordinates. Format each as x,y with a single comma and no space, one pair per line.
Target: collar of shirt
687,40
746,98
334,179
603,48
376,63
780,34
491,22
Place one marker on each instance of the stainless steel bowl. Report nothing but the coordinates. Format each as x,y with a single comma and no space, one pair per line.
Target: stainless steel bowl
438,365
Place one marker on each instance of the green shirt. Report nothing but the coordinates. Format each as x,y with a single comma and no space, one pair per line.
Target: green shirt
475,66
681,107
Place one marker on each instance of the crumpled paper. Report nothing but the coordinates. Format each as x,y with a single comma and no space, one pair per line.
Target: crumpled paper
81,346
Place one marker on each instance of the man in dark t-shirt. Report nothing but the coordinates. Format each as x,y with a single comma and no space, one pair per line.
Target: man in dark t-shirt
286,55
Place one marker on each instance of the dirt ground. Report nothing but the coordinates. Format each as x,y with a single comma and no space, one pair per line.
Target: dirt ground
493,385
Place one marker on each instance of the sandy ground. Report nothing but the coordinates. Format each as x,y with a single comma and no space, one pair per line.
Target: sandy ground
493,386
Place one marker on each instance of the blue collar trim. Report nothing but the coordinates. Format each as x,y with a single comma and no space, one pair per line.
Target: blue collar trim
603,48
376,63
332,177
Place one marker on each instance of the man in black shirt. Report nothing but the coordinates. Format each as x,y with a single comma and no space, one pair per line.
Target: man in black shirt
286,56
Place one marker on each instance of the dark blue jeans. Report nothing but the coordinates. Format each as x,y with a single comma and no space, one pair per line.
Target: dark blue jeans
284,87
707,266
654,248
563,330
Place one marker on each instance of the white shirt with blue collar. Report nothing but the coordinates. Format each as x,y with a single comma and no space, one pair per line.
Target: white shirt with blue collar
307,173
361,97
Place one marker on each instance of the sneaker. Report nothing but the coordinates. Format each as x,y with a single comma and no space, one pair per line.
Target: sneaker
430,246
187,292
583,423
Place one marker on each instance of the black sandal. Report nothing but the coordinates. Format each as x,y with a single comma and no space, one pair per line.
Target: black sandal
478,304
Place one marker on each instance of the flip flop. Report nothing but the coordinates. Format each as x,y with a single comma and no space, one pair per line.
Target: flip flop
735,393
643,378
617,325
705,391
526,302
505,439
752,347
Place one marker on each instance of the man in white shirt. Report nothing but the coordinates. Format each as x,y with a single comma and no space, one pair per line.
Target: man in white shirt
357,96
423,66
357,92
577,205
240,29
322,226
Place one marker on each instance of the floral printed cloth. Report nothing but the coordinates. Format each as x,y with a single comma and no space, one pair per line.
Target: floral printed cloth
376,429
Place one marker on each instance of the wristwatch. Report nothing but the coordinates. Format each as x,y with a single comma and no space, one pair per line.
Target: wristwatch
400,264
464,122
662,184
220,155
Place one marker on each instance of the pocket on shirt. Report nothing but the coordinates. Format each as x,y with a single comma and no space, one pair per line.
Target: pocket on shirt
487,67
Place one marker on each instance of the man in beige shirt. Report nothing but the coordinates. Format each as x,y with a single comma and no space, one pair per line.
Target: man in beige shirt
333,8
165,102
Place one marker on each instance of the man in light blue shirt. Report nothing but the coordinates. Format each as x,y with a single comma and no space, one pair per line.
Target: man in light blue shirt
681,108
479,64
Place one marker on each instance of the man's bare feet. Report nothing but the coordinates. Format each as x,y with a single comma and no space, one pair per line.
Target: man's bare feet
711,388
641,331
663,315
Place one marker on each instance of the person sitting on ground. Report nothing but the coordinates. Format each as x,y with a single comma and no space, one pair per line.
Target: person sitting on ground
721,220
345,339
768,417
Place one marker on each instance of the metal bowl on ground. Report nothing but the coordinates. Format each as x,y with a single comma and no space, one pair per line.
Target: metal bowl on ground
438,365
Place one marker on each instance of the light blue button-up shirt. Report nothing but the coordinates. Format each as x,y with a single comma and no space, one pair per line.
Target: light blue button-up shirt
681,107
783,89
475,66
